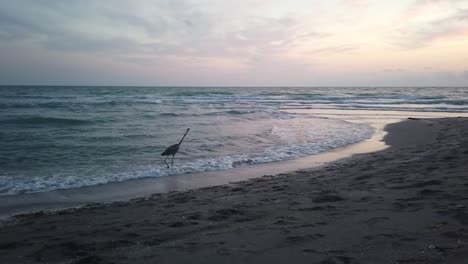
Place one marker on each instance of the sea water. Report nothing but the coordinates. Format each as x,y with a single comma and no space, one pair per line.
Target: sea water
66,137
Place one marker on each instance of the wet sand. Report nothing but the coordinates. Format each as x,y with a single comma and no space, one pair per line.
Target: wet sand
405,204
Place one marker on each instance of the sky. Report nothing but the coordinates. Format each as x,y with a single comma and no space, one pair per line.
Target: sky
234,43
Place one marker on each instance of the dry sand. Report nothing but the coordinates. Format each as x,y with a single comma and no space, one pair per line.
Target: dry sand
406,204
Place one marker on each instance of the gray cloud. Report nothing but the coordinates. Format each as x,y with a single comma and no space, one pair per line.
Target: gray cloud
185,41
52,23
16,26
423,34
87,44
181,28
394,70
441,27
159,35
314,35
336,49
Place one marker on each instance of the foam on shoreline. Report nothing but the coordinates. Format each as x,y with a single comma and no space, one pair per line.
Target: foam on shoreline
121,191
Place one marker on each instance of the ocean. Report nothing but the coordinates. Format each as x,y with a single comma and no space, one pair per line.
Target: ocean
66,137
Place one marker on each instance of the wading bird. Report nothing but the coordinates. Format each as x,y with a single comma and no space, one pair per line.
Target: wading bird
172,150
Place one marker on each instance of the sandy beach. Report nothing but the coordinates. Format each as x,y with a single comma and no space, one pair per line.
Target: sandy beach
406,204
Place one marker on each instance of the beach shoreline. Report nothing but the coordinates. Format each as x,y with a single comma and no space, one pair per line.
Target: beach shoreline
136,188
60,199
405,204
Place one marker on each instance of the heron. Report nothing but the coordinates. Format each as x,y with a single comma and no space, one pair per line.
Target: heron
172,150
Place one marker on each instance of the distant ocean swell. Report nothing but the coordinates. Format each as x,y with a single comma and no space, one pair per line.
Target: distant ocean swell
44,121
434,104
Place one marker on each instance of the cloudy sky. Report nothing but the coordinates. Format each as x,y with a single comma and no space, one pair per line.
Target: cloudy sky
234,43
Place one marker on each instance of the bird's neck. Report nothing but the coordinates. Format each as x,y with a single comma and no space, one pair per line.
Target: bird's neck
183,138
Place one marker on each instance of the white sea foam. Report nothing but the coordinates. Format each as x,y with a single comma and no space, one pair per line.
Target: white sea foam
299,136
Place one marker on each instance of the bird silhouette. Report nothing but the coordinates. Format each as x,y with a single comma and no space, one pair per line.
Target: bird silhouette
172,150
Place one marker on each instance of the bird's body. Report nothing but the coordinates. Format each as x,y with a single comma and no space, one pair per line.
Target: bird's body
172,150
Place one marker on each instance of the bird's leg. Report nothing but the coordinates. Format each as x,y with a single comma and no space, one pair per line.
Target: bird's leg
166,162
172,162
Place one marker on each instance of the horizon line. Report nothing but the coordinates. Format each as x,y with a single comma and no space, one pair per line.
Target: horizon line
237,86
